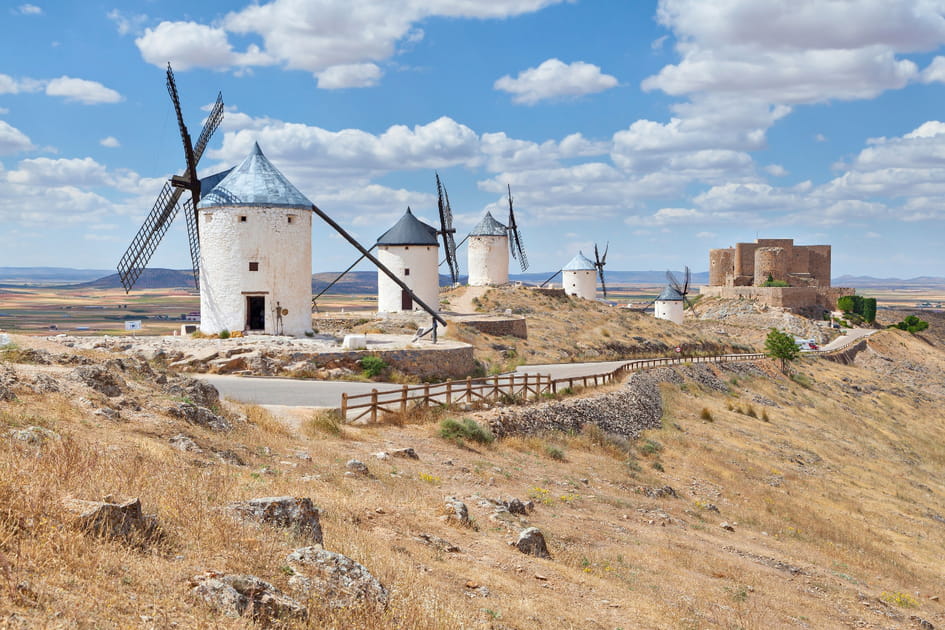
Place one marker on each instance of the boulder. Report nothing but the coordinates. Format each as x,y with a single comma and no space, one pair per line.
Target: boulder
532,542
100,379
45,384
200,416
333,579
34,435
407,453
456,511
194,391
246,596
122,521
357,467
183,443
515,506
296,513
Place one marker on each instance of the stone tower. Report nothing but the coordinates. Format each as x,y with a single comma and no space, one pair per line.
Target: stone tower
579,277
411,251
488,253
255,252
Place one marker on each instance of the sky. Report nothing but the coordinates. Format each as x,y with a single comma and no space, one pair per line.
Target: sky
666,128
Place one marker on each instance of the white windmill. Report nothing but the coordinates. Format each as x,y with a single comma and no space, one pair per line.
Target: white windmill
410,249
673,300
488,253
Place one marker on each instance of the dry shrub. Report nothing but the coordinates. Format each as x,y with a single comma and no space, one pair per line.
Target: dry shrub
264,420
325,422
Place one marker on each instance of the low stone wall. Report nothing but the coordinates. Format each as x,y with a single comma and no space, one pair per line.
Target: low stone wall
795,298
500,327
848,354
558,293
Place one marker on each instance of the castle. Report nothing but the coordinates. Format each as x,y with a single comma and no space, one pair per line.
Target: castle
803,271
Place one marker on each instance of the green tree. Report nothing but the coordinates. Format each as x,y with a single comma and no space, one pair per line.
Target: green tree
869,309
912,324
845,303
781,346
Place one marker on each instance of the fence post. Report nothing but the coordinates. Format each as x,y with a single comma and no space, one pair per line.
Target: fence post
426,394
525,388
374,405
469,389
449,392
403,400
344,406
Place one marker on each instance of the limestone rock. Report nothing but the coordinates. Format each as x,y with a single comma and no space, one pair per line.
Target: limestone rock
334,579
200,416
297,513
437,543
34,435
532,542
246,595
195,391
100,379
407,453
515,506
660,492
456,511
44,384
183,443
357,467
727,526
123,521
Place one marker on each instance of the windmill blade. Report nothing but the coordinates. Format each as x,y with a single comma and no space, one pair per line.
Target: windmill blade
646,306
446,229
515,237
190,218
209,127
458,245
189,180
597,262
673,282
603,259
553,276
142,247
688,278
691,304
603,286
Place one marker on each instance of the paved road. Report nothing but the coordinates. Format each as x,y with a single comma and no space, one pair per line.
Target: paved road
848,337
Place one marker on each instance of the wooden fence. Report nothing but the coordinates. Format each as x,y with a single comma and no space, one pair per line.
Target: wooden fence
510,387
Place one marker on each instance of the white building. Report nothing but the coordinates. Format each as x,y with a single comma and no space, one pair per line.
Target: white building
411,251
669,305
488,253
579,277
255,252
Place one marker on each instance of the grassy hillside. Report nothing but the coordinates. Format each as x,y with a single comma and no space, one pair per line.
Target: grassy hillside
831,484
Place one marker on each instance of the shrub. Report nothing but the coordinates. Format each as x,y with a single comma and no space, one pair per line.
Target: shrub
372,365
650,447
465,429
764,415
751,412
912,324
554,452
706,415
904,600
324,421
224,334
781,346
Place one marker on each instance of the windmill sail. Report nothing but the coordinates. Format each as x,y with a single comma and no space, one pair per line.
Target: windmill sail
446,229
515,237
166,207
599,262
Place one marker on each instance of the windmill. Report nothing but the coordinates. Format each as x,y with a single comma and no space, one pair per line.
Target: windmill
599,262
166,207
515,237
446,229
682,288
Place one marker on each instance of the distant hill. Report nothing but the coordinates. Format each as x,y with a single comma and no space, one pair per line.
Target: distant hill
920,282
48,275
150,279
618,277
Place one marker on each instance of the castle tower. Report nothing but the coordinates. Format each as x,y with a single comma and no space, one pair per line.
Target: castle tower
488,253
411,251
579,277
669,305
770,261
721,266
255,252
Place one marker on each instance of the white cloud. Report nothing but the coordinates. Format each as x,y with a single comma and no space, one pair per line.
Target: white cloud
349,76
819,137
82,91
555,79
29,9
12,140
189,44
127,23
9,85
776,169
110,142
58,172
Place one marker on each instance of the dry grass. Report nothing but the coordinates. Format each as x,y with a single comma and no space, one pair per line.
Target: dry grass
841,484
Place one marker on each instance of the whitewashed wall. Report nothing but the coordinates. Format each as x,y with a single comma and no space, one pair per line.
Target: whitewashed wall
488,260
284,253
669,309
424,280
582,284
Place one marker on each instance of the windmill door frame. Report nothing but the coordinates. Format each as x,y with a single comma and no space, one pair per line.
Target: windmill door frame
406,301
255,312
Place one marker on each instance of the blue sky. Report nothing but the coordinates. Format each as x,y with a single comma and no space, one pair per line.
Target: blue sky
667,127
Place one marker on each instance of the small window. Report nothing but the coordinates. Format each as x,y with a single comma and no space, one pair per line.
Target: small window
406,272
254,266
242,218
291,218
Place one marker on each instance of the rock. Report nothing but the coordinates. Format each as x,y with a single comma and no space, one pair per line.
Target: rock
200,416
437,543
334,579
100,379
246,595
227,456
34,435
296,513
407,453
123,521
727,526
456,511
108,412
515,506
183,443
44,384
532,542
382,455
227,365
6,394
357,467
922,623
660,492
194,391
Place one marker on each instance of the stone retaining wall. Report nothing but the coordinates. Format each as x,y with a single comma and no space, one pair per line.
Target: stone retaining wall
500,327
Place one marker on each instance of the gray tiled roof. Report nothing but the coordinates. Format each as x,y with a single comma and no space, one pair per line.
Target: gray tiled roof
255,182
670,294
489,227
579,263
409,230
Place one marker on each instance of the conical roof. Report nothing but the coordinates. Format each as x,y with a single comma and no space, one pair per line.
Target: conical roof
255,182
579,263
489,227
670,294
409,230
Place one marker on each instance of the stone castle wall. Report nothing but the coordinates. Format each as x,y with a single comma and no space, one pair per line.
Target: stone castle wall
794,298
